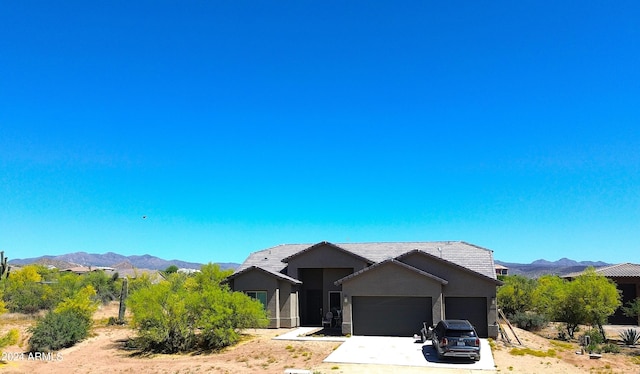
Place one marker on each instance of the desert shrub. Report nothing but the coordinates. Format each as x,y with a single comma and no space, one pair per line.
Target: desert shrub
184,313
629,336
66,325
107,287
610,348
58,330
11,337
515,295
595,337
529,321
632,308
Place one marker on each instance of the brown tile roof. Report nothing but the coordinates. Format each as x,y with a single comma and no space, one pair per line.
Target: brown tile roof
620,270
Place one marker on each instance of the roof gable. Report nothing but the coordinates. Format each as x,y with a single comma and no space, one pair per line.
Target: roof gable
318,246
266,271
452,264
393,262
467,255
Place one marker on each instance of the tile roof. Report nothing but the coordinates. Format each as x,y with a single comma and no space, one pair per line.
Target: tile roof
467,255
619,270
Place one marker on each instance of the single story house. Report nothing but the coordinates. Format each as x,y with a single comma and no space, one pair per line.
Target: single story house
626,276
385,289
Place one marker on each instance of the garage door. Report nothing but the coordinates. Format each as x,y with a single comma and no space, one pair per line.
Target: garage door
473,309
389,315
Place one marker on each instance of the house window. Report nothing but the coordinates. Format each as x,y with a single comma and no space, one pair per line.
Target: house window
258,295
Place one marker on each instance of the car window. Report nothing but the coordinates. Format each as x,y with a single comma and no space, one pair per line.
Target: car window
461,334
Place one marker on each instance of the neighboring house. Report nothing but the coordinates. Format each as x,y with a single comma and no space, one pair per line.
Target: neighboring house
627,278
373,288
502,270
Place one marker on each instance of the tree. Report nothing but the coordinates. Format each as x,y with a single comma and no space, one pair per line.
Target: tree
632,308
171,269
67,324
515,295
107,287
24,291
589,299
184,312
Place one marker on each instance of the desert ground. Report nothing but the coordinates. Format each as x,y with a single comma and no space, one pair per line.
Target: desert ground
105,351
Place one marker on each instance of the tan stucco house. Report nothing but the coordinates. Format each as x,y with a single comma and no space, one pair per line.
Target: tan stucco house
386,289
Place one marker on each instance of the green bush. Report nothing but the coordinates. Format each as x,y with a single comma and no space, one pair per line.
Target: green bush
185,313
610,348
58,330
529,321
66,325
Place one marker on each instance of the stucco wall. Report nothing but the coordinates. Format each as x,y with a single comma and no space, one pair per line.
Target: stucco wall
390,280
462,283
324,256
282,303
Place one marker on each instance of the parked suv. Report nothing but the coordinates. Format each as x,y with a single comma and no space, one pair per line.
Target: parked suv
455,338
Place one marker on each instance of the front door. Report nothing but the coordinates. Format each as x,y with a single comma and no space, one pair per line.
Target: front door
313,308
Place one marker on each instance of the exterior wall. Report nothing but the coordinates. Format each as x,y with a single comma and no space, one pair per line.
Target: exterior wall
282,297
324,256
462,283
288,306
319,269
390,280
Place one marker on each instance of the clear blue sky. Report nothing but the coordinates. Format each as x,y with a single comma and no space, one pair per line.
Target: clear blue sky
234,126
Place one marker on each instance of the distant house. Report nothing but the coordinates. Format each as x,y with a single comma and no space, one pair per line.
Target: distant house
502,270
386,289
627,278
77,270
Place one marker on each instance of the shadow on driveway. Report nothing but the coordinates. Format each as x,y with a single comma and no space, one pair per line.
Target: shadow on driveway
430,354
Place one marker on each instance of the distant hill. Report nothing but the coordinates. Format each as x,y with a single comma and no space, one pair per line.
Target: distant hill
111,259
541,267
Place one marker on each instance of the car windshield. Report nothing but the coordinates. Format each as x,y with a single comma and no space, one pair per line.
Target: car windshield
461,334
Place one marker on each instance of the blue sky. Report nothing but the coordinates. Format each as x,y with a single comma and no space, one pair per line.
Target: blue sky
234,126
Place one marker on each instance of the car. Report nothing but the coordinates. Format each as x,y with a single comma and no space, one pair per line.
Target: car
455,338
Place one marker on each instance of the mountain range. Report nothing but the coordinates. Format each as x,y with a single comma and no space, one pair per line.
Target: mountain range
540,267
114,260
110,259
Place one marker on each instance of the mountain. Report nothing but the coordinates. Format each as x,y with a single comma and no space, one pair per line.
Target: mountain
111,259
541,267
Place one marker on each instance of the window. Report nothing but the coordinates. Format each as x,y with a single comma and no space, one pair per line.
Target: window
258,295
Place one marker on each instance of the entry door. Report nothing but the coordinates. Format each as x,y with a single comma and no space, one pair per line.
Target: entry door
313,315
335,301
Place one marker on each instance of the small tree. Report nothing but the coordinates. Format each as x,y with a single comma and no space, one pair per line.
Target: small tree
171,269
515,296
67,324
183,313
589,299
632,308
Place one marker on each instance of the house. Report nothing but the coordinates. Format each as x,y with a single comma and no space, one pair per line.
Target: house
386,289
502,270
627,279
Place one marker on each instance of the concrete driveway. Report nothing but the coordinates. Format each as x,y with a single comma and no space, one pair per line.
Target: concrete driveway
403,352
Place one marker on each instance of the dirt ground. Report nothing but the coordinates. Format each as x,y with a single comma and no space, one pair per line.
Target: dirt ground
105,351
